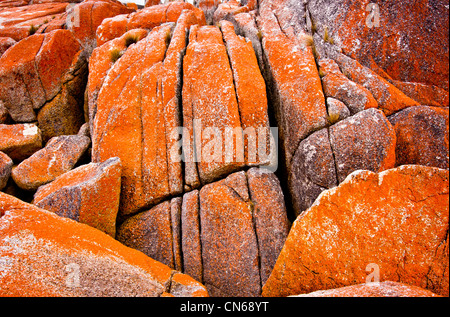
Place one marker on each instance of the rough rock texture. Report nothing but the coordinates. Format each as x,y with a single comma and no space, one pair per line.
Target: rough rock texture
18,22
183,93
34,70
350,228
389,98
250,89
365,141
382,289
4,115
100,63
5,43
6,165
229,233
299,102
208,105
89,194
397,44
337,85
20,141
58,157
147,18
133,129
47,255
422,136
87,16
313,170
337,110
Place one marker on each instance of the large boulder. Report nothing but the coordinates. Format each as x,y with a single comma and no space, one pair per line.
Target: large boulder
20,141
422,136
58,157
89,194
365,141
34,71
409,43
393,225
227,235
294,83
19,22
147,18
47,255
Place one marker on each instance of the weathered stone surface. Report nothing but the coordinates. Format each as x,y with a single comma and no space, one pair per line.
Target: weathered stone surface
269,213
250,91
89,15
228,241
18,22
396,220
64,114
190,239
100,64
150,232
226,10
5,43
410,43
20,141
208,7
89,194
126,125
337,110
147,18
58,157
337,85
216,234
208,105
47,255
34,70
313,170
172,98
422,136
296,89
6,165
424,94
383,289
389,98
364,141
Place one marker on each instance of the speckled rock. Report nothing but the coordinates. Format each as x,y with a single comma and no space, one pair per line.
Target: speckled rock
88,194
313,170
206,104
296,89
345,235
364,141
34,70
5,43
6,165
422,136
227,235
337,85
58,157
19,141
337,110
147,18
47,255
